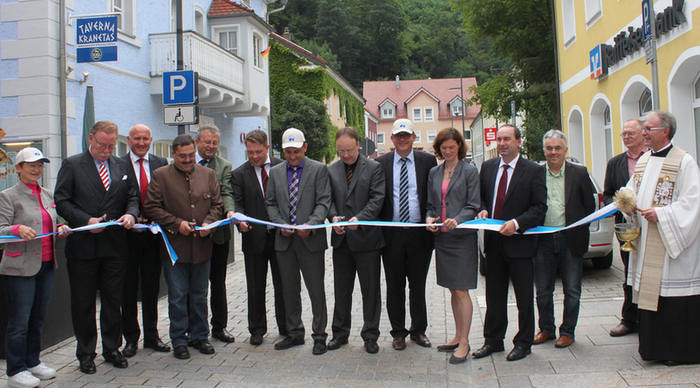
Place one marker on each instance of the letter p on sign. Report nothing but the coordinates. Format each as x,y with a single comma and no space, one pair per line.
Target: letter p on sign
178,87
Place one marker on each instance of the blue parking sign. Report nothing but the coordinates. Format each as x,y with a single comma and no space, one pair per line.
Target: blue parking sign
179,87
646,19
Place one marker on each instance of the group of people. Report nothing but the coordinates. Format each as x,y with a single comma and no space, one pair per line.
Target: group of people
403,186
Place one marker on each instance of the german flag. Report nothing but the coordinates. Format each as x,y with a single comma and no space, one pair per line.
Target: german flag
266,52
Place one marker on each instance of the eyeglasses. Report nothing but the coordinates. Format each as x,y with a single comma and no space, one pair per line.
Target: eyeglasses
346,152
653,128
102,146
555,148
629,134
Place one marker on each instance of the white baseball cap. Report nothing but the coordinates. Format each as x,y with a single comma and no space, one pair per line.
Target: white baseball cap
30,154
293,137
402,125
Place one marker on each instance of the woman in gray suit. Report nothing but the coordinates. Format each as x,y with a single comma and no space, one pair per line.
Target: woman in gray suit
27,268
453,198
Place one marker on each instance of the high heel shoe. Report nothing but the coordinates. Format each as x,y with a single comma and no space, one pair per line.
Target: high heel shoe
458,360
447,348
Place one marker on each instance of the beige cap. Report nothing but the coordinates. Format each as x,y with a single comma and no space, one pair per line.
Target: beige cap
30,154
402,125
293,137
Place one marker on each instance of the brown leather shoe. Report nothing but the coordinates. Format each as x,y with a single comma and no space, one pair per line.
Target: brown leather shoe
542,336
399,343
421,339
563,341
620,330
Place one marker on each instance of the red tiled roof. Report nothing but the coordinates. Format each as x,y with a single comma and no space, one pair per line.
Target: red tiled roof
300,50
375,92
227,7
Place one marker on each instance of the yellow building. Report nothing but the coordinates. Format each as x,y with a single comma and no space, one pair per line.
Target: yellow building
599,93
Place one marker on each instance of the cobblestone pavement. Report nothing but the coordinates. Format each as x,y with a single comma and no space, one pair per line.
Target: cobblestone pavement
594,360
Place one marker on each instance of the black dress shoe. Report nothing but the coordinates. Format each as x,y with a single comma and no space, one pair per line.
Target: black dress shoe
519,352
223,335
458,360
319,347
421,340
288,342
486,350
336,343
129,349
370,347
87,366
156,344
116,358
203,346
256,339
181,352
447,348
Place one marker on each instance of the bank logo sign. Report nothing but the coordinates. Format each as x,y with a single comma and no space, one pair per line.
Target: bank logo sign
596,62
96,39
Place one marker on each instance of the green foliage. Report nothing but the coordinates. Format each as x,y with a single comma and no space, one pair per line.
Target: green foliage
322,50
306,113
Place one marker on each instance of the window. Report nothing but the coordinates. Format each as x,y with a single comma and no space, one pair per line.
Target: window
431,136
257,49
388,110
122,147
199,21
228,39
607,131
416,115
161,148
467,134
330,106
417,137
380,138
644,103
428,113
456,108
568,22
594,10
125,19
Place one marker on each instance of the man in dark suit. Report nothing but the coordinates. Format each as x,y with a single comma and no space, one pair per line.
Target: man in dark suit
143,265
92,187
207,143
617,174
357,186
569,198
248,184
512,189
408,250
298,193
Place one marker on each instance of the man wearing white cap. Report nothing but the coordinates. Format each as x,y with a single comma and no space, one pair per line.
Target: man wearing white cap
407,251
298,192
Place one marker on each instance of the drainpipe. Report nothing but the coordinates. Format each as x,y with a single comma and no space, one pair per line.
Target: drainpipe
62,77
267,16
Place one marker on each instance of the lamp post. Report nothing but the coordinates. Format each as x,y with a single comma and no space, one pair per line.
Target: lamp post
462,113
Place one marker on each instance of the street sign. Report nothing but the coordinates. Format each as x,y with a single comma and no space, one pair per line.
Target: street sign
650,50
596,62
179,87
490,135
96,39
647,19
181,115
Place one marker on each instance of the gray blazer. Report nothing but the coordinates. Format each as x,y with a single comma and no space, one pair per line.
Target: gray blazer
462,200
362,199
312,207
19,206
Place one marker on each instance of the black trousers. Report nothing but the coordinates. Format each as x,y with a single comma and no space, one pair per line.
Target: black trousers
406,257
105,274
367,266
142,271
217,277
630,314
256,281
501,268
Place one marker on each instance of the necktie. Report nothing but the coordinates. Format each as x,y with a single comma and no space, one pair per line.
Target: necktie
293,195
204,162
263,179
348,174
104,175
404,214
501,193
143,182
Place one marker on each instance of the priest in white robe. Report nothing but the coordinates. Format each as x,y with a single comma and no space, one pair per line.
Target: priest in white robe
664,269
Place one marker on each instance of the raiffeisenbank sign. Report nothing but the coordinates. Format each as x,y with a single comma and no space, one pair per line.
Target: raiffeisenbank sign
602,56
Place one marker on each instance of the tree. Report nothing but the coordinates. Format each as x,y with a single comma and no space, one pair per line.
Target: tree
308,115
298,15
521,31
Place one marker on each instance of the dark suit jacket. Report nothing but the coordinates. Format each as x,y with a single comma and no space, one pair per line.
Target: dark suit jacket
312,206
424,162
463,198
154,163
362,199
80,194
616,175
526,202
579,202
222,169
249,200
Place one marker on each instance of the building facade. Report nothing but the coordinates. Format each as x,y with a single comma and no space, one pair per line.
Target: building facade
605,79
431,104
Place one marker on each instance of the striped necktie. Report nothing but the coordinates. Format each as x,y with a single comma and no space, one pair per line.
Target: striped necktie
404,214
104,175
294,195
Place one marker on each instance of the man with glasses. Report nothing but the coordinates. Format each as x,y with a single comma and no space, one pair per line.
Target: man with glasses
665,269
94,187
357,187
181,196
407,251
617,174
